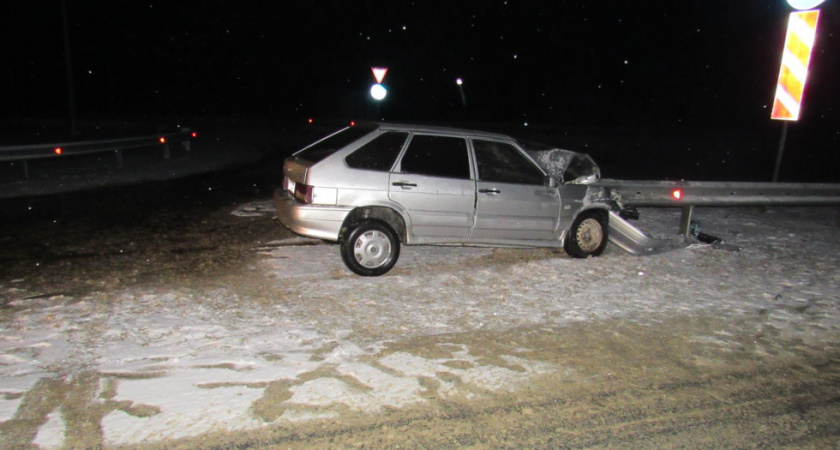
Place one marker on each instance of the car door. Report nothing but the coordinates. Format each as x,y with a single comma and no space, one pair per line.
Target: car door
513,201
433,182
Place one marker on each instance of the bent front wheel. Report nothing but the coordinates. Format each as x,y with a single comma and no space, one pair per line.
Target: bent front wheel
588,235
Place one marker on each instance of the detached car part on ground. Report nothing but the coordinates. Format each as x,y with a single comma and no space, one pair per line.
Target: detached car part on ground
372,187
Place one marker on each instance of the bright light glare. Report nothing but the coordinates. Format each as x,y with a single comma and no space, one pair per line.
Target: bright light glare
804,4
379,73
677,194
378,92
459,81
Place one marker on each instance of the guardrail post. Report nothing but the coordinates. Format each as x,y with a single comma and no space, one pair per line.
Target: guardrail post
166,151
26,170
118,153
186,143
685,220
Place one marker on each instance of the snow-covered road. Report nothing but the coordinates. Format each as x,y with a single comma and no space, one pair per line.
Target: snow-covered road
299,337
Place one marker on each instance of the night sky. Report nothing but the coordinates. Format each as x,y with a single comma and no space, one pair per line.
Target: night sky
630,63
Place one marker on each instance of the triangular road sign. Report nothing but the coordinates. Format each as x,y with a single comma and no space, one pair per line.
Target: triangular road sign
379,73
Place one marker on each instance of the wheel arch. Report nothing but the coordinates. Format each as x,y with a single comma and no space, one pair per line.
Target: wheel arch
389,216
602,209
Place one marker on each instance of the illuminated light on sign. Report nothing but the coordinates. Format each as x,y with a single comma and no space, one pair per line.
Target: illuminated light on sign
379,73
58,151
378,92
162,140
796,57
804,4
677,194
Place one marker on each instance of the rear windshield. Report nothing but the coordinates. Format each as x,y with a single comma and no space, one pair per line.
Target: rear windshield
331,144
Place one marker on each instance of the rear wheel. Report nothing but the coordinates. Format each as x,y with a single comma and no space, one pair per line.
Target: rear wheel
371,248
588,235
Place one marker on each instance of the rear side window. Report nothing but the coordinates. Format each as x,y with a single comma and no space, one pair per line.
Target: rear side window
378,154
503,163
437,156
326,147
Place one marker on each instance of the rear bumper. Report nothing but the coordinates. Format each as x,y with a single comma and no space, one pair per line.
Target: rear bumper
317,221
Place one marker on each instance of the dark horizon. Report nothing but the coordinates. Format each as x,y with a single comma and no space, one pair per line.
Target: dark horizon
659,64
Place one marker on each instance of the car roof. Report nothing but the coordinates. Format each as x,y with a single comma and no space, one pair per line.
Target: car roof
440,130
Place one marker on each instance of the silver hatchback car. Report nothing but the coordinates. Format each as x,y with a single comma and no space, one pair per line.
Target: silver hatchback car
373,187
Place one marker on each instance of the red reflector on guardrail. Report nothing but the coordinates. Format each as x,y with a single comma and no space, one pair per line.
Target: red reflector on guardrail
677,194
162,140
194,134
58,151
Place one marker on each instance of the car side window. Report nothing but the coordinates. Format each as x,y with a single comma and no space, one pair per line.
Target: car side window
378,154
437,156
503,163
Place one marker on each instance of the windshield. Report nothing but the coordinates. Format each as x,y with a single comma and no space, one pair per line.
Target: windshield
334,142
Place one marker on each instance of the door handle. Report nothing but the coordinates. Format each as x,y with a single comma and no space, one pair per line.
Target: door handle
404,184
489,191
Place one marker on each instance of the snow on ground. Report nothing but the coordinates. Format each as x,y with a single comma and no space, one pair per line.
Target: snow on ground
176,362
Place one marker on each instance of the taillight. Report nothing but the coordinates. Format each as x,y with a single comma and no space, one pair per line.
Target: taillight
303,192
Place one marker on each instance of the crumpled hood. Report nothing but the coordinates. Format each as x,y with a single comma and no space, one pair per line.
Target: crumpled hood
567,166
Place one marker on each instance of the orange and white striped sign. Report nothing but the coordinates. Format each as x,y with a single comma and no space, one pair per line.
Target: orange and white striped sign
801,33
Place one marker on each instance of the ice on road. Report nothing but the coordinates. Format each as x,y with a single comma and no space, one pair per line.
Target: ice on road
301,338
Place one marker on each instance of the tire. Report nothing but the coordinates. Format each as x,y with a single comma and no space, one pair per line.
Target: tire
370,249
588,235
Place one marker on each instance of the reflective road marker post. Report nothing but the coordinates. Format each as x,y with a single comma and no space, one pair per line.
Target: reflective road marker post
796,57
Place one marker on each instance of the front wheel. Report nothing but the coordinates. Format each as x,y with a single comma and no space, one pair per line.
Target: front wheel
370,249
588,235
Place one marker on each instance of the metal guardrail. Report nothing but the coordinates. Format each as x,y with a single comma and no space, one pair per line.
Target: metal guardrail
26,153
688,194
723,193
